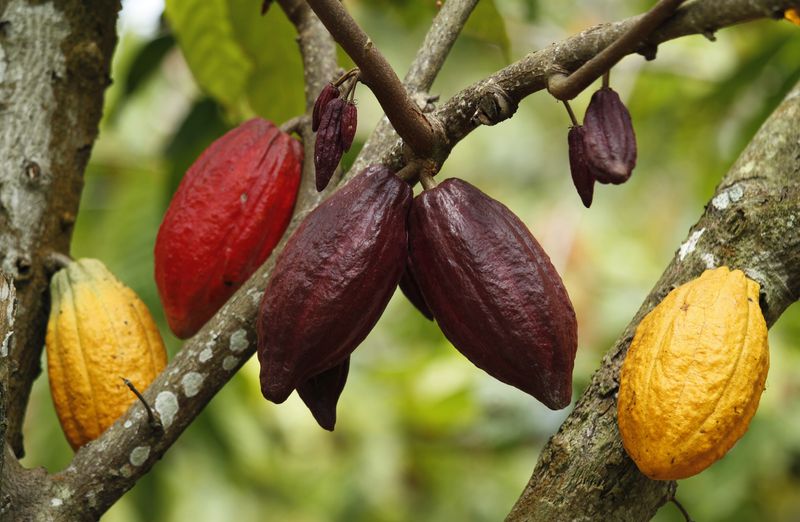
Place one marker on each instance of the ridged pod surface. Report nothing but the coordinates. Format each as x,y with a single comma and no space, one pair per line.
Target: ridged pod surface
332,281
99,331
229,212
693,375
493,290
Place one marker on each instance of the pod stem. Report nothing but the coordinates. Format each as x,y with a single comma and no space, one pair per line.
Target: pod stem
681,508
152,420
571,113
426,179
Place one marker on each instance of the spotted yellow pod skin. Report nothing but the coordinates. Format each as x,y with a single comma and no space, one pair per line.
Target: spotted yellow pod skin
98,332
693,375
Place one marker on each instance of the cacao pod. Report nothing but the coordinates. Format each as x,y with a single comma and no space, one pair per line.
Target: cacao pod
578,166
793,15
410,288
99,331
328,149
229,212
349,124
328,93
493,290
332,281
610,143
321,393
693,375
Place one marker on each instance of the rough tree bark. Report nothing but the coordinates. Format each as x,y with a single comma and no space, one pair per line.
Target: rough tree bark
751,223
104,469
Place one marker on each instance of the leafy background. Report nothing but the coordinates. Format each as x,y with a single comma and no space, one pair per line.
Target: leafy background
423,435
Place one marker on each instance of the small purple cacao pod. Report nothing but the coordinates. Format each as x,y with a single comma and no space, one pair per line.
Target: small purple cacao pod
579,168
265,6
609,138
328,147
332,281
321,393
349,124
493,291
328,93
410,288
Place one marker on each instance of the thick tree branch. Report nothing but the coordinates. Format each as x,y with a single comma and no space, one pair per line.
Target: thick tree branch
107,467
583,472
8,310
56,58
565,86
378,75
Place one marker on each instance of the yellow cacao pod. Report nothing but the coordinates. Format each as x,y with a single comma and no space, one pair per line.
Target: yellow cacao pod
693,375
793,15
99,331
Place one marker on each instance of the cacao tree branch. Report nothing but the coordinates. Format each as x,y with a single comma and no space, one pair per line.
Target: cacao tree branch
442,35
378,75
8,310
528,75
104,469
316,47
56,58
566,86
583,473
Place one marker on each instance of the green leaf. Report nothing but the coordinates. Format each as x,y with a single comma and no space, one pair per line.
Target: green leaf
146,62
486,24
205,34
275,87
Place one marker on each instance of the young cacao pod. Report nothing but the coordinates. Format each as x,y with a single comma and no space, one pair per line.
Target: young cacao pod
98,332
229,212
328,149
328,93
578,166
609,138
693,375
321,393
493,290
332,281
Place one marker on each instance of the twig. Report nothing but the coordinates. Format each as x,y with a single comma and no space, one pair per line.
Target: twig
444,30
680,507
378,75
152,420
294,125
566,87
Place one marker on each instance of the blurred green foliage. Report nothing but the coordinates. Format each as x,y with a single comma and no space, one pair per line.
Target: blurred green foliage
423,435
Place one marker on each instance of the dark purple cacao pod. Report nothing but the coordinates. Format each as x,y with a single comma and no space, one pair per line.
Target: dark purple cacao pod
410,288
579,168
609,138
349,124
321,393
328,147
328,93
332,281
493,290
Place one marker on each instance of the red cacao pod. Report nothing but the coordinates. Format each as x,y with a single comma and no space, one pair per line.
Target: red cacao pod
328,148
231,208
578,166
493,290
609,137
328,93
410,288
321,393
332,281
